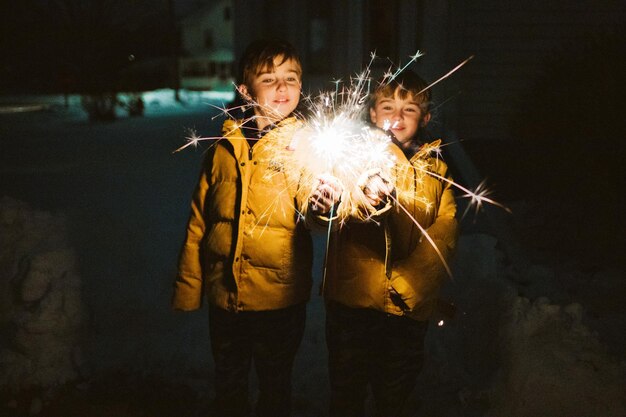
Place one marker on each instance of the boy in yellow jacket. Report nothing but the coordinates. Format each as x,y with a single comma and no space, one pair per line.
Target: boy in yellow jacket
383,277
246,249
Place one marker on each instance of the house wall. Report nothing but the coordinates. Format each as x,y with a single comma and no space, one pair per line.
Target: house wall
207,43
211,19
511,42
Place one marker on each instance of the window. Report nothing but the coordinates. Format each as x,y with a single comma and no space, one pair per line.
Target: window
211,68
208,39
193,69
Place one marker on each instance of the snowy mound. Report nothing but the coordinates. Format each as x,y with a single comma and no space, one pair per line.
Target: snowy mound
511,351
41,312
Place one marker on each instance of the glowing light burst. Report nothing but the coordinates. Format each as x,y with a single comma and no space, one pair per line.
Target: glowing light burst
344,148
338,142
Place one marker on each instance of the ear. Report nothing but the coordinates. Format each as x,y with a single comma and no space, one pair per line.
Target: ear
373,115
425,120
245,94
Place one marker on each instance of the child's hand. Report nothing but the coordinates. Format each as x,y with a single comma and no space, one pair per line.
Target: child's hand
326,195
376,188
397,299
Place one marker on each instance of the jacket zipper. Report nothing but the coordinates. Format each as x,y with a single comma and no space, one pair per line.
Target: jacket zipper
388,265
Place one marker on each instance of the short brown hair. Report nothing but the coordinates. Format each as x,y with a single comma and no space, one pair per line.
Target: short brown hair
405,84
259,56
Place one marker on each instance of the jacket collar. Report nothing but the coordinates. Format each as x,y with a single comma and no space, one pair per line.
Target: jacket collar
233,133
426,150
250,128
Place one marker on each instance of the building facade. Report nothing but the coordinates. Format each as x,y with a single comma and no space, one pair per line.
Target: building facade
206,57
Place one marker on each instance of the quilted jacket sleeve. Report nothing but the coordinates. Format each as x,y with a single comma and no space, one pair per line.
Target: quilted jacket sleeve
188,284
418,277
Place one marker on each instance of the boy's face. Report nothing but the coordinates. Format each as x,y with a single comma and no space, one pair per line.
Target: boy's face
400,116
275,90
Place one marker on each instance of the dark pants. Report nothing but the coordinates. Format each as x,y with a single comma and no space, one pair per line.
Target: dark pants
370,347
270,339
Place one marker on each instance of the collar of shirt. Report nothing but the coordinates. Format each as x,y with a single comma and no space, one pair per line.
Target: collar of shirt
412,149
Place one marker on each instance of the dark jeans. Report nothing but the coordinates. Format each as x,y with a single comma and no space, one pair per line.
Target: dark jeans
270,339
370,347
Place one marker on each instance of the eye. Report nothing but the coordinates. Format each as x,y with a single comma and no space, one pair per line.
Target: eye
411,109
292,80
387,107
268,80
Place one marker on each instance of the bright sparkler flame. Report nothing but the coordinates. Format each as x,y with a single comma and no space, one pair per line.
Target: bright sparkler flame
338,142
346,149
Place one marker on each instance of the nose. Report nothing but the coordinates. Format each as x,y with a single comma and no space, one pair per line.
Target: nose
281,86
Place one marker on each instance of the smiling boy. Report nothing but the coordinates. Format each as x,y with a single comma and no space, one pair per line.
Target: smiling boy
274,89
245,248
383,278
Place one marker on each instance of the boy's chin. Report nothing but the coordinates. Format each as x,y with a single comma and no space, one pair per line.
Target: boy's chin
281,112
287,107
403,142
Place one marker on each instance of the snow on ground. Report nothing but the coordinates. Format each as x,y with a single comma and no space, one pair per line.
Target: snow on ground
42,312
538,338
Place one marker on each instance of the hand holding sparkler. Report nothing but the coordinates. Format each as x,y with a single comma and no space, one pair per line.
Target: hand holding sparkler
396,298
375,187
326,195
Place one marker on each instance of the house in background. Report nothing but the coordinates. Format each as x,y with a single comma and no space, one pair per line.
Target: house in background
206,58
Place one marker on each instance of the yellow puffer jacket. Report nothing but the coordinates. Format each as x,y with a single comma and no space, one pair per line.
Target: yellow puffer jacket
246,248
366,260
